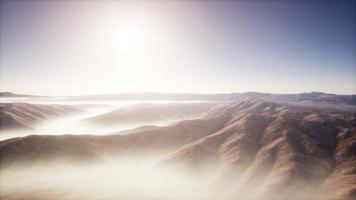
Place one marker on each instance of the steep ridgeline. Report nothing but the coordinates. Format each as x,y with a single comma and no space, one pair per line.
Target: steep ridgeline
277,151
250,150
25,116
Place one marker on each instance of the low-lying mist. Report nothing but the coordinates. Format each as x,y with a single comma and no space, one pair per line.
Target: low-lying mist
79,123
133,177
241,150
129,178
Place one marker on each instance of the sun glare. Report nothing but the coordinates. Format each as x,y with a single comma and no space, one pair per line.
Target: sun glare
131,38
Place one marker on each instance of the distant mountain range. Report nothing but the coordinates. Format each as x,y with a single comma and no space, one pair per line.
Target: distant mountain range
9,94
317,99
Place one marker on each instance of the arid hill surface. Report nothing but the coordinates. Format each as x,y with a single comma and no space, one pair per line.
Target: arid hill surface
316,99
25,115
252,149
150,113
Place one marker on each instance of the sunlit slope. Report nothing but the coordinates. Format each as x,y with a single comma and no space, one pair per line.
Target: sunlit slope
150,113
252,149
87,147
25,116
277,151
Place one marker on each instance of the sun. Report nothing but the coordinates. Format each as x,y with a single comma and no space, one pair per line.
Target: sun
131,38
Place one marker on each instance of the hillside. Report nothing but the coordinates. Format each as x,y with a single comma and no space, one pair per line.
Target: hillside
150,113
247,149
25,116
318,99
10,94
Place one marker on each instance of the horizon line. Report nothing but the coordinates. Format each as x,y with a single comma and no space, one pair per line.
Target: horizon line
176,93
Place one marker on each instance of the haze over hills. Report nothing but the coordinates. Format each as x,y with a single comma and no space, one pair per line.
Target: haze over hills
10,94
177,100
311,98
150,113
248,149
26,116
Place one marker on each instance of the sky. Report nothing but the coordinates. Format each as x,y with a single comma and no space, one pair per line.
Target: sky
106,47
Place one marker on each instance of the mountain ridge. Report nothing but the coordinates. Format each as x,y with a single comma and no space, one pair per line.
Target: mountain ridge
277,149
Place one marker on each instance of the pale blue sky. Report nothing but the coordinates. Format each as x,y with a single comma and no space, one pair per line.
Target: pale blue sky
96,47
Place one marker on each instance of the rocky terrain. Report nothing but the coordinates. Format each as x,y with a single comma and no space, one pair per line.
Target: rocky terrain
251,149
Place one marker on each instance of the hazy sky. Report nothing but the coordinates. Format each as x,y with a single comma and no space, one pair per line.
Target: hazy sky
96,47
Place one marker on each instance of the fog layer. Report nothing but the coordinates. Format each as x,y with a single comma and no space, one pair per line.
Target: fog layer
240,150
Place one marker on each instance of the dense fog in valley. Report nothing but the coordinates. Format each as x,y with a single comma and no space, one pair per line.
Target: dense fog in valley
129,178
177,100
134,178
108,179
251,148
79,122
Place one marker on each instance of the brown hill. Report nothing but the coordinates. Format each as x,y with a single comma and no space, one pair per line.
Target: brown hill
25,115
278,151
150,113
250,149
